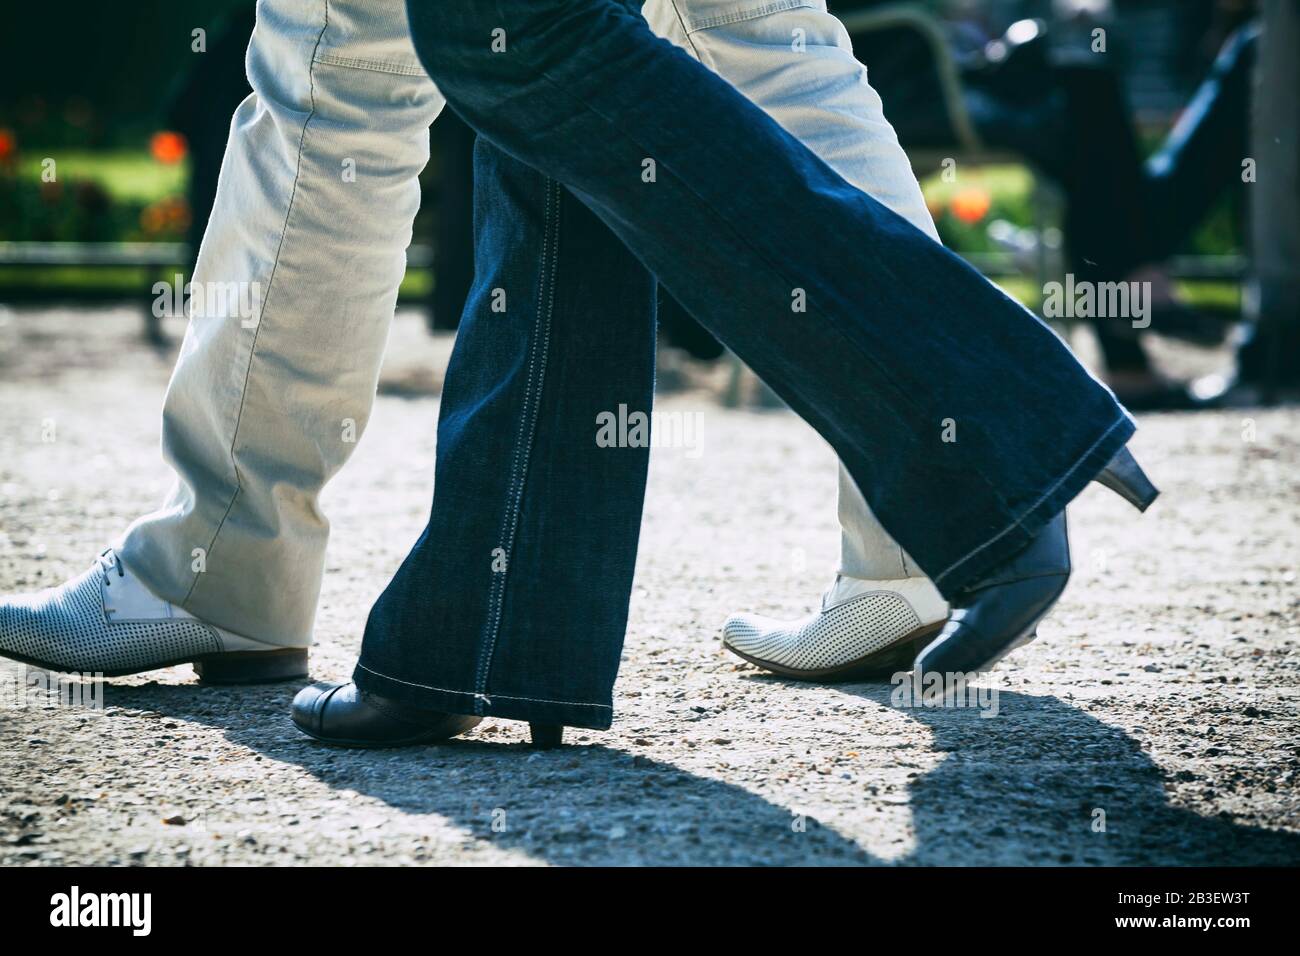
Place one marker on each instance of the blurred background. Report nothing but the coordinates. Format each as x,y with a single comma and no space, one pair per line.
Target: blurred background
1111,140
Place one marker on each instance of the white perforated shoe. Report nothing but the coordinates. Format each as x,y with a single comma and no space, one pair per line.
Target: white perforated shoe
107,622
864,629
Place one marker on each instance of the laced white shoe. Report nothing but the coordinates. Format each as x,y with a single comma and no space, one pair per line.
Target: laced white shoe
864,629
106,621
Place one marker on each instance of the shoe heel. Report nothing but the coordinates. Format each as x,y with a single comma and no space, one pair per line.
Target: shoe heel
1124,476
252,667
546,736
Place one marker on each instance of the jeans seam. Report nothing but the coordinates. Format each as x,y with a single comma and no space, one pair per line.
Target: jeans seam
1030,510
275,263
478,697
539,346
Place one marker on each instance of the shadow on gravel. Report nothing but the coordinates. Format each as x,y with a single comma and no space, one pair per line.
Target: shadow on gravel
1021,788
582,804
1033,785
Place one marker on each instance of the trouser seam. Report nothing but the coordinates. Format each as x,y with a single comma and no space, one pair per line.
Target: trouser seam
743,16
686,33
539,349
370,66
275,263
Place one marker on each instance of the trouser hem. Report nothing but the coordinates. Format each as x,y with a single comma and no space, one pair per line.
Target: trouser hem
594,716
968,570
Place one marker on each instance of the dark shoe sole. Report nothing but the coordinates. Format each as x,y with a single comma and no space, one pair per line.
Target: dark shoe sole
231,667
881,663
453,725
1025,637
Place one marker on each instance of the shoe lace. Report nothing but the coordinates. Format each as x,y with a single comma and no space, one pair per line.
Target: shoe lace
108,563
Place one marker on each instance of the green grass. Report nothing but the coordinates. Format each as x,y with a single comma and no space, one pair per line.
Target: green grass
1214,295
1024,291
73,279
127,175
1010,184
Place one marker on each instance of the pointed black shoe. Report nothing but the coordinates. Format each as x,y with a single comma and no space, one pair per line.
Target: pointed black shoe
344,715
1002,611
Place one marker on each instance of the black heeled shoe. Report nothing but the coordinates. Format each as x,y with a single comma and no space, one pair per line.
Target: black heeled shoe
344,715
1002,611
1124,476
546,736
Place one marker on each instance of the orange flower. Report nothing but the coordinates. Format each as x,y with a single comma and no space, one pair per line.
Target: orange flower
151,219
170,216
168,147
7,144
971,205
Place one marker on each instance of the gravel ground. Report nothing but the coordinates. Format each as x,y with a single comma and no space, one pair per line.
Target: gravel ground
1160,698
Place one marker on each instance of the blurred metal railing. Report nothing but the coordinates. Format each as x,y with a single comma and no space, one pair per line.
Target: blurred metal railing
152,254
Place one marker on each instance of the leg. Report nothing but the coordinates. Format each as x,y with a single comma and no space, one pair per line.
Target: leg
511,603
1201,158
1271,357
453,257
313,216
808,280
1107,217
817,91
294,289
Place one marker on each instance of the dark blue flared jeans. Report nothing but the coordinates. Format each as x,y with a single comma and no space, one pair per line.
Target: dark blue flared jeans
608,160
